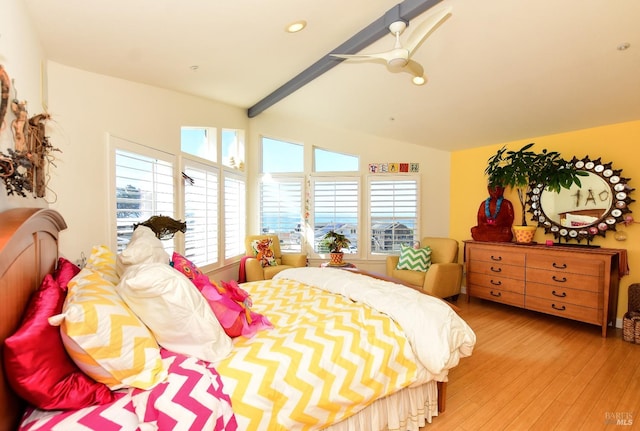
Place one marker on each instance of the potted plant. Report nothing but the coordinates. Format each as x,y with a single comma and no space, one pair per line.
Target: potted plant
335,242
523,168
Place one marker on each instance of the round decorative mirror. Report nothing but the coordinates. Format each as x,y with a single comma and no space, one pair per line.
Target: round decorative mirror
583,212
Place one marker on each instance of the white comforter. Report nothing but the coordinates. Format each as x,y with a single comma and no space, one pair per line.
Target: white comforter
438,336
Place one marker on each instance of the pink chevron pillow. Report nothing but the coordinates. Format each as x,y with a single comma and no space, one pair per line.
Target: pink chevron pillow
230,303
38,367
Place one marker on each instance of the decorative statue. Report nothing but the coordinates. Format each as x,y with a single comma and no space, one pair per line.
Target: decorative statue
495,217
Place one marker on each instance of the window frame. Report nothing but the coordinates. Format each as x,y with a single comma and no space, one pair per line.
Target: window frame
390,178
262,170
210,167
311,221
116,143
282,179
228,173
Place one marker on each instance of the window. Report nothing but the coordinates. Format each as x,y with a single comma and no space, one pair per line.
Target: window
143,188
330,161
279,156
280,211
335,207
233,148
201,212
393,213
199,141
212,204
234,215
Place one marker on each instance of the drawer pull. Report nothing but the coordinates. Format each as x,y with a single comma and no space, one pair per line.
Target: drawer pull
496,269
563,266
559,280
497,295
559,295
496,258
562,308
496,283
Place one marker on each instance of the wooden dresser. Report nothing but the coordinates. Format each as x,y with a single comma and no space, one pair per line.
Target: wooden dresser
573,282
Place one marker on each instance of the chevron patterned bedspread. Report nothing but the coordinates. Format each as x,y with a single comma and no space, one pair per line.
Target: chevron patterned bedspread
191,398
326,359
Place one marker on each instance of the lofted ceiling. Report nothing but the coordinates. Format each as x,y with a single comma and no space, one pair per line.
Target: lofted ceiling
497,70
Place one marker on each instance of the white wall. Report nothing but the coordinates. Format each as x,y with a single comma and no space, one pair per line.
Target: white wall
85,108
21,56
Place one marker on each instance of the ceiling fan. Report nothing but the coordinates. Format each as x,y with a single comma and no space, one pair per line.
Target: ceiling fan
399,59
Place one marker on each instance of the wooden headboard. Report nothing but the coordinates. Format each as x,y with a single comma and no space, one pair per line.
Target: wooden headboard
28,251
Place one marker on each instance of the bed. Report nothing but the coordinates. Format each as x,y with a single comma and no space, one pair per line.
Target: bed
584,217
401,386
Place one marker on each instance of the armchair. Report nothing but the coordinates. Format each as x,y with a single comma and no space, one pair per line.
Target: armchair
253,267
443,279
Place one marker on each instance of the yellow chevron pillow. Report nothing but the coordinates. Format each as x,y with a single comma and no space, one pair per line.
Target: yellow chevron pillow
103,261
105,338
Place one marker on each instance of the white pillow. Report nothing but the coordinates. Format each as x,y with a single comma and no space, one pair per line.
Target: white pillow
174,310
143,247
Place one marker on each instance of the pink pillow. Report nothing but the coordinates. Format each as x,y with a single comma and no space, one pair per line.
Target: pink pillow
65,272
230,303
38,367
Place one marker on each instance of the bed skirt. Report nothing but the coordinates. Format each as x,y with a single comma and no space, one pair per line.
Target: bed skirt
408,409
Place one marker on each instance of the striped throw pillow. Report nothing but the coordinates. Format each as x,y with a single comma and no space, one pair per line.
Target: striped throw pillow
105,338
414,259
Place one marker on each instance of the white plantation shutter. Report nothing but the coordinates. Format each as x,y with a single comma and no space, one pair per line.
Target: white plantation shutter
234,215
144,187
281,211
393,209
201,203
336,207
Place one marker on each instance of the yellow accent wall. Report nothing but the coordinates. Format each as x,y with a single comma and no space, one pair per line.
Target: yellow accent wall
617,143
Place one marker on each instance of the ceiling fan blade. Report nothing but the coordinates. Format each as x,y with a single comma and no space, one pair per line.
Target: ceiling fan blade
426,28
414,68
386,56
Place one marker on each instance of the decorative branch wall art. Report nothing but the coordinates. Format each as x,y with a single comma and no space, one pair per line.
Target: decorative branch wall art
5,85
24,168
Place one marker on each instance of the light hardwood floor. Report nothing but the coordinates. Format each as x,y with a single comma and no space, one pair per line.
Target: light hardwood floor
531,371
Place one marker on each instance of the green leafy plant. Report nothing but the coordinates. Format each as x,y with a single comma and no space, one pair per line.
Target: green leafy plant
335,241
523,168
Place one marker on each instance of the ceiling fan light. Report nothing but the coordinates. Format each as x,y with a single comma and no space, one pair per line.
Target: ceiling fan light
418,80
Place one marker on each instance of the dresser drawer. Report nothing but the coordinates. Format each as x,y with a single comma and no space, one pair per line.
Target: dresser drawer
564,309
495,255
497,282
497,295
496,269
564,279
585,298
563,263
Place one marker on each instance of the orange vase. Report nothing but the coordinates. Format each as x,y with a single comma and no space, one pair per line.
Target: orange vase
524,234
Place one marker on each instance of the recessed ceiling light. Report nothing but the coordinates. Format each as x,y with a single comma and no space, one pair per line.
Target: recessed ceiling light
296,26
418,80
624,46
